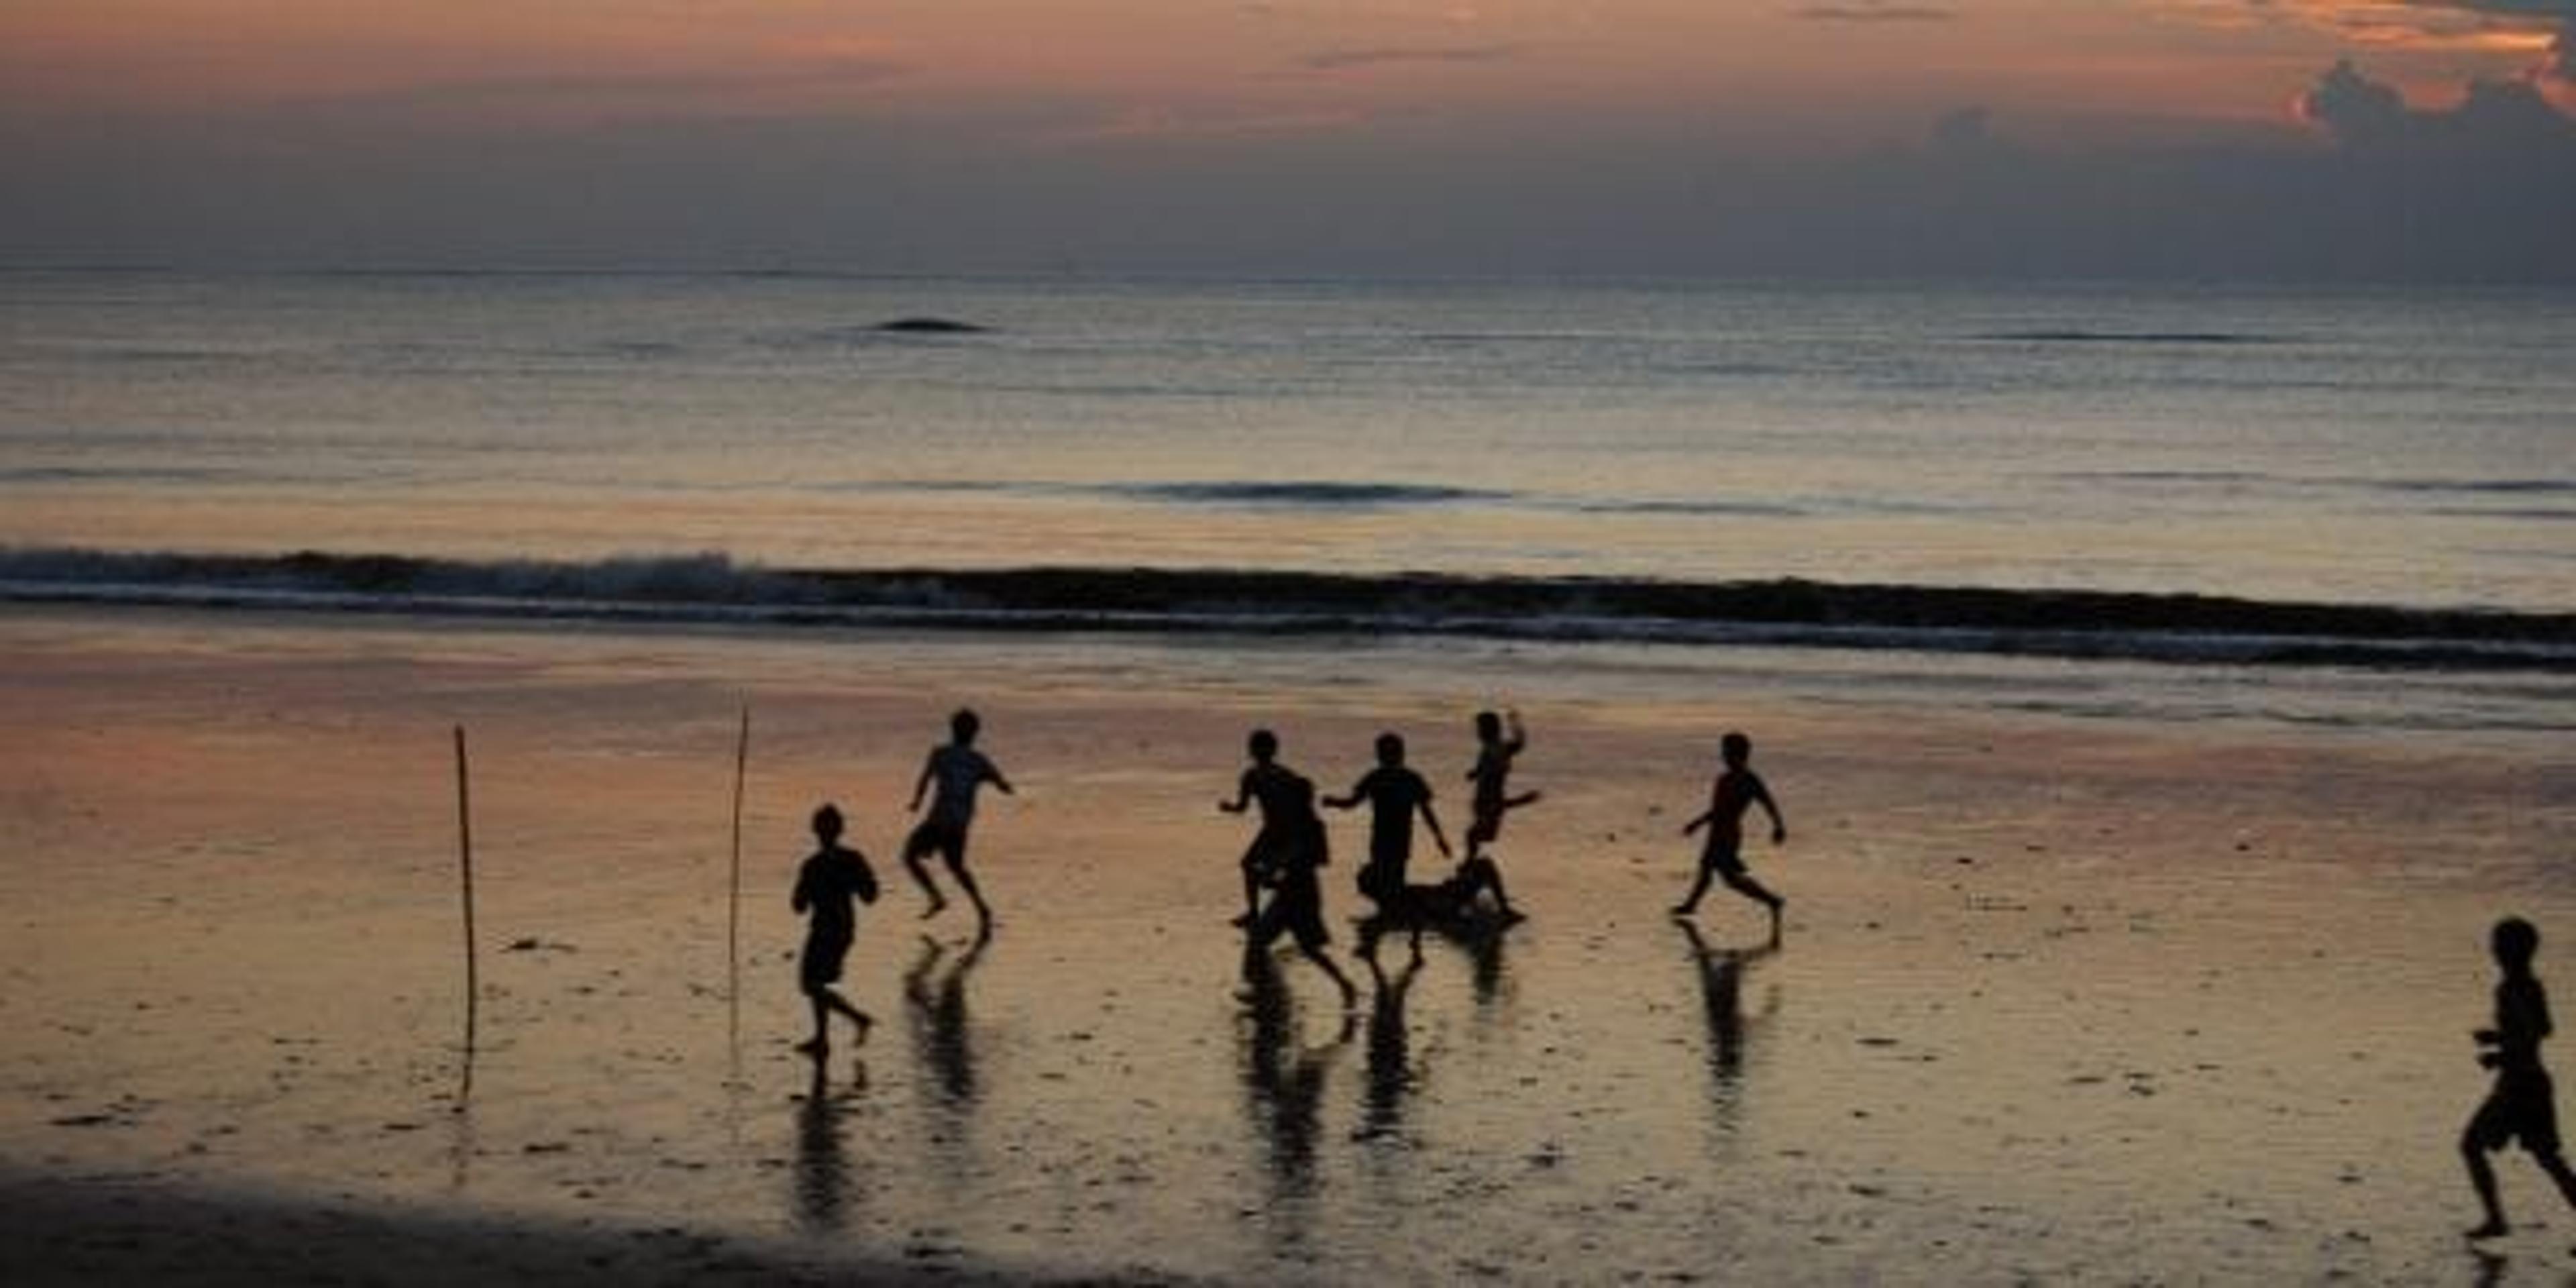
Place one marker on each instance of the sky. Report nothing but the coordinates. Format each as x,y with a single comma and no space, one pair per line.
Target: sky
2392,140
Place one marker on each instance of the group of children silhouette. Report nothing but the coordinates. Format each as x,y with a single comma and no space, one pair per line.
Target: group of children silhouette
1291,846
1283,859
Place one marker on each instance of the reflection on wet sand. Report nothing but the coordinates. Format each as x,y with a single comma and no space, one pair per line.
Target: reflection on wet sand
1391,1075
1721,987
823,1178
942,1033
1285,1086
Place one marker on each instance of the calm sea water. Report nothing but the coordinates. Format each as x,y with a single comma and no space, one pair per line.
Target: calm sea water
2378,448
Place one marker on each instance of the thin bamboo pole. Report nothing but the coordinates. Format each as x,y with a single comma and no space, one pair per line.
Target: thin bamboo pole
465,872
733,890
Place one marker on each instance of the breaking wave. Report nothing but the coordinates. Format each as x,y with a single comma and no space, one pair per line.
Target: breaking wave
713,588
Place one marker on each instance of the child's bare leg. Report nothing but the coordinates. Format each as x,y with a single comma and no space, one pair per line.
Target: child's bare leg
912,861
832,999
2482,1178
2555,1165
821,1041
966,881
1492,877
1690,902
1744,884
1251,896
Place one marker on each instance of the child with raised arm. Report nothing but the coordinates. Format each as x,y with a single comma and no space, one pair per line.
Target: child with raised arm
957,769
1394,794
825,886
1737,790
2522,1105
1499,740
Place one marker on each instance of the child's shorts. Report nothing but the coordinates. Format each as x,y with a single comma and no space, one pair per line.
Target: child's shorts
820,964
2522,1107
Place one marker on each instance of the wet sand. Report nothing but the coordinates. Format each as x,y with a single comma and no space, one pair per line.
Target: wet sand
2071,991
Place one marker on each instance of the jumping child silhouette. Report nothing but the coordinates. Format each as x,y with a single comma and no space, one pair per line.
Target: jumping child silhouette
958,770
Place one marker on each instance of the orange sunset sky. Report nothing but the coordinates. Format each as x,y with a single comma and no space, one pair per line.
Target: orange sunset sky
122,112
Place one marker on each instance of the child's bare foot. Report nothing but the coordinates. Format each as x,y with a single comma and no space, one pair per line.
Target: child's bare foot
2493,1229
815,1047
865,1022
937,906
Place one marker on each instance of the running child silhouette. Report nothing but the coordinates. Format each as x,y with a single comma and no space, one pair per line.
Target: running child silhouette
1285,798
825,886
1737,790
958,770
2521,1106
1394,794
1285,856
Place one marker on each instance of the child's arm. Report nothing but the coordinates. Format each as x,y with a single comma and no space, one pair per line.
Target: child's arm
1698,823
804,896
1762,797
993,775
929,766
1242,796
1525,798
1432,821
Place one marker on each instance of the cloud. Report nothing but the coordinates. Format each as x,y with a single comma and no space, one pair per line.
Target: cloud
1876,11
2497,118
1345,59
2353,107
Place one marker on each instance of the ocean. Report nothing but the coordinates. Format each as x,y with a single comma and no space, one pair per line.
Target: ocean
2140,471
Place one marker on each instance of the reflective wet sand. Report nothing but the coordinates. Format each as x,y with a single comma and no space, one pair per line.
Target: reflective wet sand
2062,997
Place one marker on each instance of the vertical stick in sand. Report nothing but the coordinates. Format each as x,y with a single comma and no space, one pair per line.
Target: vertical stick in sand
465,870
733,889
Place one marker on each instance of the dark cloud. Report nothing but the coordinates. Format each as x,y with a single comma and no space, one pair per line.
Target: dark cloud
2498,119
2355,108
1342,59
1876,12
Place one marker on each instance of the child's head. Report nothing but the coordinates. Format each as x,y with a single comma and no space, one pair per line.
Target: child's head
964,725
1735,748
1489,727
2514,941
827,824
1263,744
1390,749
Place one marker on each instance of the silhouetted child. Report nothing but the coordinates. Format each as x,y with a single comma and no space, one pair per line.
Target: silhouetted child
1498,740
1287,803
825,886
1285,856
1394,794
957,770
2522,1104
1737,790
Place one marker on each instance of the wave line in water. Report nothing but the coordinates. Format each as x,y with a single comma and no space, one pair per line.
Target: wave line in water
712,588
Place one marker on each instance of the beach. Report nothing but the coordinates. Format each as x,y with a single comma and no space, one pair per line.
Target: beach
2092,971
